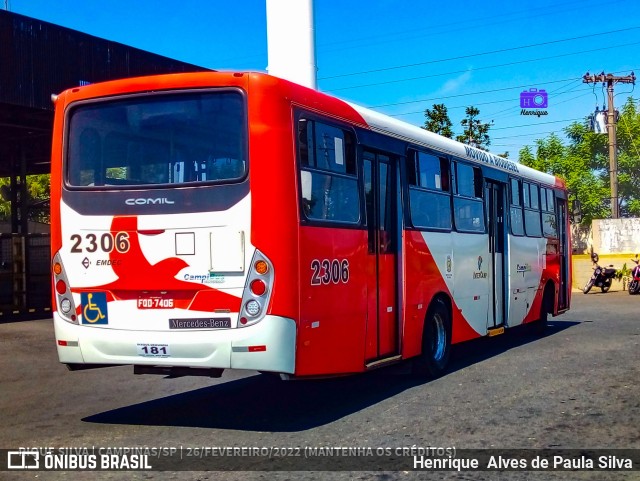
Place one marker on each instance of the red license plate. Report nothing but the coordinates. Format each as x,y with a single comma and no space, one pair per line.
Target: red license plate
155,302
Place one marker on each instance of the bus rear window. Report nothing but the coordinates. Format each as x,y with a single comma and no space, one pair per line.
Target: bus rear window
158,139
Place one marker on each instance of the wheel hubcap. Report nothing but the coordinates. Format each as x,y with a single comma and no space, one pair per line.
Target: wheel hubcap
439,338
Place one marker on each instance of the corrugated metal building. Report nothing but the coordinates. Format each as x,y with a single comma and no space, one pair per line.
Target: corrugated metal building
38,59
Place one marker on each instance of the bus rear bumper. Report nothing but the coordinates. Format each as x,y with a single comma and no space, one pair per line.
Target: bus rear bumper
268,345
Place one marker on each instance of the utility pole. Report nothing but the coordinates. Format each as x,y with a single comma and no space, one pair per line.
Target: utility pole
610,80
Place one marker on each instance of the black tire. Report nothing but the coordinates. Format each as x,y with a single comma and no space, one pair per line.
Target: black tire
540,326
588,286
436,342
605,287
633,287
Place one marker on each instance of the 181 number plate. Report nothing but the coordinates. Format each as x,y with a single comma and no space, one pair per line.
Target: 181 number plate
153,350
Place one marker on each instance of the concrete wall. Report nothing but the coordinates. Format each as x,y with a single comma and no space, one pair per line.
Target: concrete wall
581,239
616,236
615,240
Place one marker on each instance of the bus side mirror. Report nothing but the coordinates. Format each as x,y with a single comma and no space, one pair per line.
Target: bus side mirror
576,212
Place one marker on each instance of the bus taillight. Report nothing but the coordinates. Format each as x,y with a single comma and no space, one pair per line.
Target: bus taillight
252,307
257,292
65,305
64,299
61,287
261,267
258,287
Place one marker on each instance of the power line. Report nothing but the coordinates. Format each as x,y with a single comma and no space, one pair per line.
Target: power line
570,85
480,68
537,123
478,104
506,145
432,28
538,134
455,107
465,94
569,80
446,27
508,64
478,54
509,112
611,80
573,89
527,135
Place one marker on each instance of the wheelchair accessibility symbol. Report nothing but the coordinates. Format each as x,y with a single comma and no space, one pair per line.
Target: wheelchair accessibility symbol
94,308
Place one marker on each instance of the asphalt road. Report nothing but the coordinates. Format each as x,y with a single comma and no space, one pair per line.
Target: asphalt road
575,387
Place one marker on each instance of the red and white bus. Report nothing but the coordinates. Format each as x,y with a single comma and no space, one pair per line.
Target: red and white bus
222,220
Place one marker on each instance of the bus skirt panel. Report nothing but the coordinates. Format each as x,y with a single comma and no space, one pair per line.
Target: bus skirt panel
268,345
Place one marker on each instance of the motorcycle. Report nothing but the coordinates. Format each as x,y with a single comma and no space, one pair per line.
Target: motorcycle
634,284
601,277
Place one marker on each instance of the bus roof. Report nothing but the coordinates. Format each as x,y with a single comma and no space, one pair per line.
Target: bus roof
374,120
416,135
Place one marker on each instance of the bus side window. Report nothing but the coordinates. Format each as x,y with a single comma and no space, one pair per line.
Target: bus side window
515,212
429,201
532,225
305,140
549,222
328,178
468,207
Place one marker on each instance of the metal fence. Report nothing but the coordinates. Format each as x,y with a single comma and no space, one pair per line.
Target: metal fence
25,276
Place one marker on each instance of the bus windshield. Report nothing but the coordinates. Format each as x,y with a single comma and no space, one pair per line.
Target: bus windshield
158,139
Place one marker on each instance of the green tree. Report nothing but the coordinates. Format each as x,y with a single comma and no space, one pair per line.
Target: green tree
475,132
38,193
573,165
438,121
584,165
628,133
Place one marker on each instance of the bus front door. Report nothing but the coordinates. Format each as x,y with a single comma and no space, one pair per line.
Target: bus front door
564,252
380,176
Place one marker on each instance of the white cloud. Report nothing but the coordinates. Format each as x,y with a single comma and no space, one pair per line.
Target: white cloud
453,85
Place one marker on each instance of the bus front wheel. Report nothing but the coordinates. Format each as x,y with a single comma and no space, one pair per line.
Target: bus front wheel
436,341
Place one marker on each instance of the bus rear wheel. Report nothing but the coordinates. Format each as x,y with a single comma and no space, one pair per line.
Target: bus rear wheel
546,307
436,342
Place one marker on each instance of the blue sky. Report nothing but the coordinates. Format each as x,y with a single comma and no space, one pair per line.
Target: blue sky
400,57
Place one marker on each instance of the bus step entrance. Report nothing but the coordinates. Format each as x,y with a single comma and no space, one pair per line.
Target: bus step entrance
495,331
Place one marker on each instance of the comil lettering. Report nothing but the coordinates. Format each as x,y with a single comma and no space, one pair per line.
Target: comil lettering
149,201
